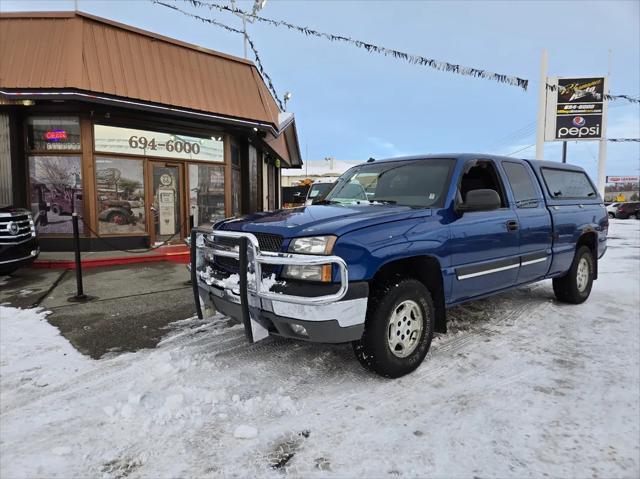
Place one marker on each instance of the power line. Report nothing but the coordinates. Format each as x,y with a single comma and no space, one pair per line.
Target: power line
370,47
373,48
521,149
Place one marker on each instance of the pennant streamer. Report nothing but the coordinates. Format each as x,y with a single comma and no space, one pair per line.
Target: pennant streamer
233,30
623,140
372,48
606,96
369,47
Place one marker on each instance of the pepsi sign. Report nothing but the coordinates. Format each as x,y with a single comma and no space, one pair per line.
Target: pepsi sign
577,108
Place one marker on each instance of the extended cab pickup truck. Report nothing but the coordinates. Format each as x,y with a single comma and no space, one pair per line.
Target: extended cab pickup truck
395,243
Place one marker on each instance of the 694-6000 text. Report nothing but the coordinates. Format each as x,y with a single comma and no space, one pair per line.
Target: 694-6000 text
177,146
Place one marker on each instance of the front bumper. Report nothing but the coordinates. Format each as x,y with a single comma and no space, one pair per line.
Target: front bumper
318,312
19,254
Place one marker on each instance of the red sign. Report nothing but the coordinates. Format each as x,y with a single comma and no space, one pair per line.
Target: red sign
623,179
55,135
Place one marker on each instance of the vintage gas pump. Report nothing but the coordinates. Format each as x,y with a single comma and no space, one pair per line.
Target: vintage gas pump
167,205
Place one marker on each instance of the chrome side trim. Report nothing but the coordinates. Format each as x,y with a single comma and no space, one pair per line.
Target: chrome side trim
488,271
533,261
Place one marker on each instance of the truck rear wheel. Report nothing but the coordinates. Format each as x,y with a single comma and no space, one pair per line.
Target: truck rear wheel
575,286
398,329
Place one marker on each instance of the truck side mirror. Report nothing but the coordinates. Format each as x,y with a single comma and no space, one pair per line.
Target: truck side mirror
480,200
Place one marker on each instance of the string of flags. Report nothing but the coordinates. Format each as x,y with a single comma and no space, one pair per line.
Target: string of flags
369,47
233,30
373,48
606,96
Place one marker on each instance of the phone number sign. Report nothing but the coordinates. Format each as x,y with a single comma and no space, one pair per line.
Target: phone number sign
130,141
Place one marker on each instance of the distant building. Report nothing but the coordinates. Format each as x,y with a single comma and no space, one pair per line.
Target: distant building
325,170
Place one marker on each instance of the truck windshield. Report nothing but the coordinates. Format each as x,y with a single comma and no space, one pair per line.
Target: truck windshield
419,183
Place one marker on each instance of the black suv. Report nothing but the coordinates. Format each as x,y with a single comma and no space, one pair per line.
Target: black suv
627,210
18,242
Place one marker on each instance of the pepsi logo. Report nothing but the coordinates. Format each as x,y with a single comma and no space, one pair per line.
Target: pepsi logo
579,121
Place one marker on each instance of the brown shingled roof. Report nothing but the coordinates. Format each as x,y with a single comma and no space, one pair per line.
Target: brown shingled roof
78,51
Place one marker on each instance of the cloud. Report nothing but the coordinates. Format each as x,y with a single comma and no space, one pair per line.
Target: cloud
382,147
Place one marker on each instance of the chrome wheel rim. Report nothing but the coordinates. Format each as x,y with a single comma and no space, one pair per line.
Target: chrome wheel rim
582,275
405,328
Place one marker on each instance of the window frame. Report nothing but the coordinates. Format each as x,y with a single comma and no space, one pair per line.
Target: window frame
533,180
502,193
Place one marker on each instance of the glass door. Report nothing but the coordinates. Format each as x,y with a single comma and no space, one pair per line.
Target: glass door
166,213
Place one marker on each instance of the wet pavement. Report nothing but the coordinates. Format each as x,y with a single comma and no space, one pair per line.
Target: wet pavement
130,310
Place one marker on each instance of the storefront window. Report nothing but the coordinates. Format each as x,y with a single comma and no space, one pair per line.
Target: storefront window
134,142
56,192
120,187
53,133
206,194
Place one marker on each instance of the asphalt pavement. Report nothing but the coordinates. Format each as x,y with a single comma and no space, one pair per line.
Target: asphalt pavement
130,308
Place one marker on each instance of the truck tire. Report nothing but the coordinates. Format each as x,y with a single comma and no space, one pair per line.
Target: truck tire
398,328
575,286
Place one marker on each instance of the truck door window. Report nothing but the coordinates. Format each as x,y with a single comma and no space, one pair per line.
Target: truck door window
524,191
482,176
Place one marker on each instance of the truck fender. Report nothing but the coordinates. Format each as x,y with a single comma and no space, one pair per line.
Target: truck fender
423,268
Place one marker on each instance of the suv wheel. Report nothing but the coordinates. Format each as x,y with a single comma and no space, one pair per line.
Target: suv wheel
575,286
398,329
612,216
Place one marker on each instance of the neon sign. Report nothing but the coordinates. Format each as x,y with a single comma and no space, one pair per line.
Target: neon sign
55,135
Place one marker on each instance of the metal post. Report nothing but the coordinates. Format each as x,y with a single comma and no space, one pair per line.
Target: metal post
79,296
542,104
243,266
602,147
564,151
194,272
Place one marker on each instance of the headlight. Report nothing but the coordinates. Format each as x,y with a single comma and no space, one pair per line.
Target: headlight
313,245
319,245
308,273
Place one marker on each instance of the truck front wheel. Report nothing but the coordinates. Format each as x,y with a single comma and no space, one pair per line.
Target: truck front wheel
575,286
398,329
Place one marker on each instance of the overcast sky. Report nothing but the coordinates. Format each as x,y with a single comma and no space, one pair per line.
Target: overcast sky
352,105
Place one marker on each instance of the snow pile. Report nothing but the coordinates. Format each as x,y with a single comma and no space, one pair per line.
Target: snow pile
526,386
245,432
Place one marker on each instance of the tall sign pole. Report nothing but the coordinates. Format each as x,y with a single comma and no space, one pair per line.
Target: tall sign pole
602,147
542,104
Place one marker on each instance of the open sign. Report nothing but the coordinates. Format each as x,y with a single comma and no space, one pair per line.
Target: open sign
55,135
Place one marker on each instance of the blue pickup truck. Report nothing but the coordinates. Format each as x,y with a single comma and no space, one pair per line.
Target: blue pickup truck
395,243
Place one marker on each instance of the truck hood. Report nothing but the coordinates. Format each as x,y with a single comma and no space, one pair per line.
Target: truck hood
321,219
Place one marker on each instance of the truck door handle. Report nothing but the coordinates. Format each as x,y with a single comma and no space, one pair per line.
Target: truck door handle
512,225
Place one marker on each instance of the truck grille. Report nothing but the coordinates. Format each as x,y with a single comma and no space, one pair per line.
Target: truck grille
15,229
267,242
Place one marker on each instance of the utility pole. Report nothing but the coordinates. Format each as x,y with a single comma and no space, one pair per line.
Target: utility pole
564,151
542,104
257,6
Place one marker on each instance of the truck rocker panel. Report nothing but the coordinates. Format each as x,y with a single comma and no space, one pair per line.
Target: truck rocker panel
394,244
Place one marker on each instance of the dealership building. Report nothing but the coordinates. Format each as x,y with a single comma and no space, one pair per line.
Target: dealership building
142,135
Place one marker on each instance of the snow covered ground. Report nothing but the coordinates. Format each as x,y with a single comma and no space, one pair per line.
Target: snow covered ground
522,386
